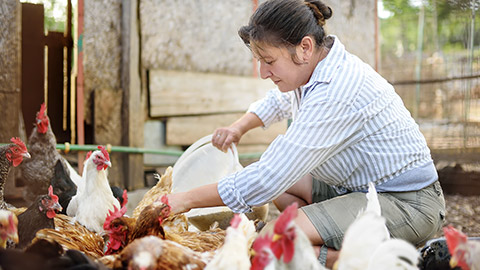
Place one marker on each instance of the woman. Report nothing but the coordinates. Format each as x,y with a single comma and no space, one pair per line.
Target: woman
349,128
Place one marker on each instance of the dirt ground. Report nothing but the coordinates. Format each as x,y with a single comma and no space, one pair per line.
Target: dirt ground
463,212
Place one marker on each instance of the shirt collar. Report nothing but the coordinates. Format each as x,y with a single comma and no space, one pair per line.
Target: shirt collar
326,68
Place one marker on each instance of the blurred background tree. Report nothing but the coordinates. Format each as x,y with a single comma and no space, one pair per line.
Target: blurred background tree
447,25
55,13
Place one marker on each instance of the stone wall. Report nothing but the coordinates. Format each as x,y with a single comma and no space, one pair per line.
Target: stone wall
201,35
195,35
10,48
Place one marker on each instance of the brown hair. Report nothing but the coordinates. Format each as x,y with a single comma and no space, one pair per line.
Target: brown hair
284,23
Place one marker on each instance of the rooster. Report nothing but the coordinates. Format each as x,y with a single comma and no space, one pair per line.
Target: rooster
39,215
367,236
289,244
234,253
92,203
152,252
10,154
465,253
8,227
38,171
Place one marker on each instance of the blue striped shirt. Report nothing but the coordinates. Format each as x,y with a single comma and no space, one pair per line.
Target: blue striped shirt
349,128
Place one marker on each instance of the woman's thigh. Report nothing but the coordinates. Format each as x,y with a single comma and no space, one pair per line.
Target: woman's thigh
414,216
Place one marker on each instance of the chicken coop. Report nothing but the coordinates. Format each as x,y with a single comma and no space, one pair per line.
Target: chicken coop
129,86
150,77
143,75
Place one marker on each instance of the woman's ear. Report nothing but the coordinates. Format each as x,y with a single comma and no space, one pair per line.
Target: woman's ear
305,49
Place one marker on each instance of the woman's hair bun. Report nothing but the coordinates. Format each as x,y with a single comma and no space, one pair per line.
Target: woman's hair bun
321,11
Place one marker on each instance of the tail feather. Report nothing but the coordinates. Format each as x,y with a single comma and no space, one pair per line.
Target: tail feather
373,205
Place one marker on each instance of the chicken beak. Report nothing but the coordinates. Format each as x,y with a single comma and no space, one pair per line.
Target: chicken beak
453,262
14,237
276,237
108,163
26,155
335,265
252,253
57,207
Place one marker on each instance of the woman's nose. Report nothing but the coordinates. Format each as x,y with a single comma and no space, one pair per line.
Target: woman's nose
264,71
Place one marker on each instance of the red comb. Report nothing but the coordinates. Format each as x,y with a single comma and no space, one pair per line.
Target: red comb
261,242
19,143
42,111
17,151
116,213
164,199
285,218
454,237
104,152
88,155
125,198
50,193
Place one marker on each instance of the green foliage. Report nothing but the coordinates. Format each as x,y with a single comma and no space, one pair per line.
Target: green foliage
55,13
447,23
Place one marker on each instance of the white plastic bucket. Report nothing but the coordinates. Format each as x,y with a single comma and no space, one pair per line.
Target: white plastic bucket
202,164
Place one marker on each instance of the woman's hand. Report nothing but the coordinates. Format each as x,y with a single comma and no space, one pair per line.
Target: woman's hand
178,202
225,136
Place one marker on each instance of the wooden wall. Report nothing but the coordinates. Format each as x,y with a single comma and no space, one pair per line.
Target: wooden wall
201,75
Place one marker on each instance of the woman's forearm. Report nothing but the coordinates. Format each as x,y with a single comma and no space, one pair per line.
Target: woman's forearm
247,122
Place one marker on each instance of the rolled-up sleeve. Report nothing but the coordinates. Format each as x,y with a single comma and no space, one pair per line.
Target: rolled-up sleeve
318,134
274,107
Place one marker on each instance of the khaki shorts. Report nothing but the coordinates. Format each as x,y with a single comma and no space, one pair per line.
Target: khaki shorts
415,216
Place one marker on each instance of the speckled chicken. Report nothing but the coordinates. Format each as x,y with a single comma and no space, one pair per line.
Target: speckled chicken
38,171
10,154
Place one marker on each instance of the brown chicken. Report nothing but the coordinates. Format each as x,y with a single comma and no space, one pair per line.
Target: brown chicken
119,229
73,236
10,154
39,215
150,222
154,253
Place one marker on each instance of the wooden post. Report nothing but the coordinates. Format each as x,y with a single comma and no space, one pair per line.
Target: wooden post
10,64
132,113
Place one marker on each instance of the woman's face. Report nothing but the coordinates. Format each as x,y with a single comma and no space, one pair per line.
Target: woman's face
277,65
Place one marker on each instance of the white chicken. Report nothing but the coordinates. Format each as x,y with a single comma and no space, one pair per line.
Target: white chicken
465,252
234,253
289,244
92,203
367,242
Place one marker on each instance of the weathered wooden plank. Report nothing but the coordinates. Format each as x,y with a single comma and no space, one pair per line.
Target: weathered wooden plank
175,93
108,129
186,130
133,107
